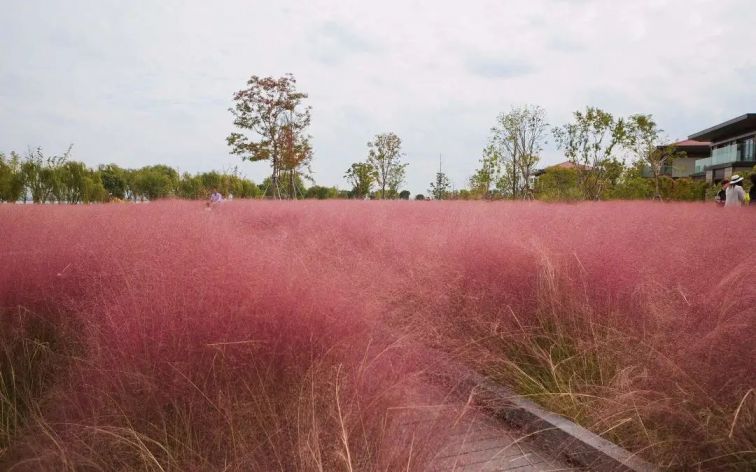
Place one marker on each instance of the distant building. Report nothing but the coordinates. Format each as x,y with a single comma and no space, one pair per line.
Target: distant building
713,154
562,165
683,166
733,149
533,180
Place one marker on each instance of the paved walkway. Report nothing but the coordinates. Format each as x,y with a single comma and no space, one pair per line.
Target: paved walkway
466,439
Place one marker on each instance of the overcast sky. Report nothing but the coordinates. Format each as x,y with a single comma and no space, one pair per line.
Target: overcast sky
137,82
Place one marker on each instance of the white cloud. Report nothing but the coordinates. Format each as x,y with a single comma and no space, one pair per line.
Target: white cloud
144,82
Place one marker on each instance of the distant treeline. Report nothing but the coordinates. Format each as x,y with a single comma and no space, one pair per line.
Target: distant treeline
39,178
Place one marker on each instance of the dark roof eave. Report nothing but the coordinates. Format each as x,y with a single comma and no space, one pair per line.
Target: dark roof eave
710,134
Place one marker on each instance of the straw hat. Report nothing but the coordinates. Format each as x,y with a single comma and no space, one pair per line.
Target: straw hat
735,179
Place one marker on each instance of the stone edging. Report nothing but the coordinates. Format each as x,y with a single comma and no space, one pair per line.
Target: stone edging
553,432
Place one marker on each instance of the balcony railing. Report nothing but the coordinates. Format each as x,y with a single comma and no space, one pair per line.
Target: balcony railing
735,152
744,150
724,154
702,164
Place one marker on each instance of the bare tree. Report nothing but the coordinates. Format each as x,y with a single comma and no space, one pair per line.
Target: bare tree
518,137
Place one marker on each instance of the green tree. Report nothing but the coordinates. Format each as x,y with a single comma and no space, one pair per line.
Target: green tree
518,138
462,194
322,193
247,189
590,142
384,157
419,196
404,195
684,189
644,142
113,180
77,183
74,181
485,178
296,156
360,176
94,190
632,185
440,187
271,114
558,184
11,178
191,187
155,182
40,174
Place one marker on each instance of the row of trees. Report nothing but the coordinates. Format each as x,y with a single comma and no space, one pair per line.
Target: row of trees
597,144
383,169
611,158
41,178
272,122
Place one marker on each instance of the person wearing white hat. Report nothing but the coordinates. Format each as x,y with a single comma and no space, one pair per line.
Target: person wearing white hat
735,195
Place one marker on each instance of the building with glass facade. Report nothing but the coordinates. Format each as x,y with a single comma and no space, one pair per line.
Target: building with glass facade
733,149
684,166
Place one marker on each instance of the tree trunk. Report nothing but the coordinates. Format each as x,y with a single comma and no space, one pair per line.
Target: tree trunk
657,194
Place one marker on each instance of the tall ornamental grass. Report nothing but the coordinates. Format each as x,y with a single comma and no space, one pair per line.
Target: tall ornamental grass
286,335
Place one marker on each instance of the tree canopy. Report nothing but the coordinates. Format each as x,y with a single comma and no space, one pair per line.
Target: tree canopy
385,158
273,121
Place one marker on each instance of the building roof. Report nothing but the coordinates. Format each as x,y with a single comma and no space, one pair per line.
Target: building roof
693,149
569,165
731,128
562,165
691,143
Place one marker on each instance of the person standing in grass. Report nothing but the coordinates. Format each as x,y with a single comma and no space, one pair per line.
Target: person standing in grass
215,198
735,195
722,194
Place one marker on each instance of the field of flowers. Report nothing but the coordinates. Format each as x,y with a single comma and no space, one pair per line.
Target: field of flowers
277,335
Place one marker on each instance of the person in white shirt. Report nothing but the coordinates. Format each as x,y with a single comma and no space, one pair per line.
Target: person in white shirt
735,195
215,198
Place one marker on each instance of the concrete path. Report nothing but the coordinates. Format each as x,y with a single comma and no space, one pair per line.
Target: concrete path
479,444
466,438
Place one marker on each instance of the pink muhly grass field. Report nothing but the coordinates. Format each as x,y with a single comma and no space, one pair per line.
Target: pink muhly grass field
266,335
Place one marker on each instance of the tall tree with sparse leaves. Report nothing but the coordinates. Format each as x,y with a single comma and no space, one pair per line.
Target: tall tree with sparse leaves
384,156
273,119
590,142
487,175
644,141
519,136
440,187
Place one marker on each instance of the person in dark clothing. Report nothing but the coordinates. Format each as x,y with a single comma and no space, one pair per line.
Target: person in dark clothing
722,195
752,191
